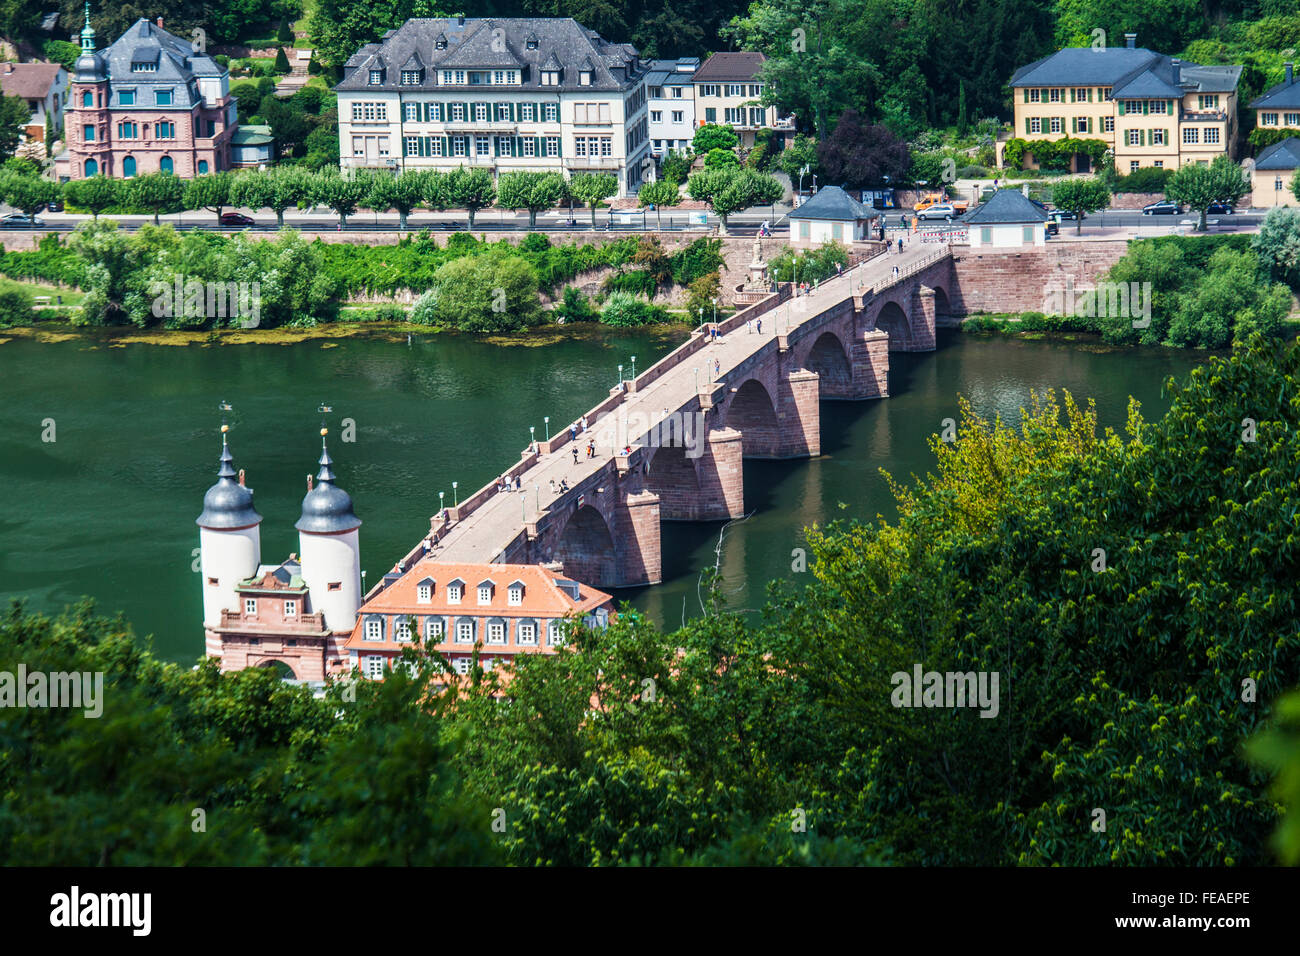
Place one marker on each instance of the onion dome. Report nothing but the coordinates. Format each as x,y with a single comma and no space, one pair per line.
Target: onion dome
228,504
90,66
326,508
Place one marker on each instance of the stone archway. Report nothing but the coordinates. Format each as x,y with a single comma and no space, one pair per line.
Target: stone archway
586,548
942,307
284,669
893,320
673,478
753,414
829,360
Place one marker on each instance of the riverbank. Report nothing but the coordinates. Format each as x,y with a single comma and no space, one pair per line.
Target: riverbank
329,334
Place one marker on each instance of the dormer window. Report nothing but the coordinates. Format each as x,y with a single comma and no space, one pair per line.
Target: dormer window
250,607
290,608
550,78
440,43
144,67
376,77
424,593
455,591
515,595
402,629
485,593
412,77
531,42
584,78
374,630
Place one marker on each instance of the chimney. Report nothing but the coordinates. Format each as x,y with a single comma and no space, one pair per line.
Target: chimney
1131,40
1177,64
460,19
1287,67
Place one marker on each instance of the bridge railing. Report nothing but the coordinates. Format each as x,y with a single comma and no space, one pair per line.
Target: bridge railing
911,269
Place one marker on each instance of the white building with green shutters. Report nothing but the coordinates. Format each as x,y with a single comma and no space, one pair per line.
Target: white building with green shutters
500,94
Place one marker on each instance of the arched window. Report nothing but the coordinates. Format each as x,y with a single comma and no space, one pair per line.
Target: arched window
128,167
203,166
87,99
92,168
165,165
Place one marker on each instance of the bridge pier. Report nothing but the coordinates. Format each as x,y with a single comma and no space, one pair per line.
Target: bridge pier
798,417
923,332
639,558
721,472
870,364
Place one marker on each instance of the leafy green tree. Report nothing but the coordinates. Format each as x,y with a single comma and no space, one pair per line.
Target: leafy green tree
28,194
1278,245
210,192
340,194
711,136
730,190
487,294
676,166
14,116
1227,304
720,159
338,28
277,189
61,52
592,189
1198,187
468,189
156,192
289,124
95,193
282,61
660,193
800,152
403,192
535,192
1276,749
1080,196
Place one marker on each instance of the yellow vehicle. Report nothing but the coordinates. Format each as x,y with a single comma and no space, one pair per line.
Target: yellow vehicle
930,199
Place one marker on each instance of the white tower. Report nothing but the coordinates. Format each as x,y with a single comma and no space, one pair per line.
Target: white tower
330,549
230,543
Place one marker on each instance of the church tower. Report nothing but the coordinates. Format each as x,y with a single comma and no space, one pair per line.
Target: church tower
330,549
230,544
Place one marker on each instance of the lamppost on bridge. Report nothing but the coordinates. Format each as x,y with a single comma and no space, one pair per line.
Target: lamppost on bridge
715,311
620,376
442,505
455,499
532,436
547,420
697,381
634,368
538,489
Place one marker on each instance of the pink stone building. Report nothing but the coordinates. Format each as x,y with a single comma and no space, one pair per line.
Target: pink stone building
148,103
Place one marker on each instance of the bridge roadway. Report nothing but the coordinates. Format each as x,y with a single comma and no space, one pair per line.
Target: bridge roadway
494,525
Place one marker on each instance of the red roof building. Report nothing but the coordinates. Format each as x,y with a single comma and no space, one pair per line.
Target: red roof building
506,609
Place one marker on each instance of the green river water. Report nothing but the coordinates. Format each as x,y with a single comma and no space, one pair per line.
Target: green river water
107,509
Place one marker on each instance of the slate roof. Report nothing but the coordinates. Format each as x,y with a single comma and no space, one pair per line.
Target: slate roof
730,68
1005,207
1284,96
1135,73
670,72
833,203
255,135
496,43
30,81
178,65
1284,154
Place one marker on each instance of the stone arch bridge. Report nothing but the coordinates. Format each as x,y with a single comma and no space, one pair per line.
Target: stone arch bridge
671,444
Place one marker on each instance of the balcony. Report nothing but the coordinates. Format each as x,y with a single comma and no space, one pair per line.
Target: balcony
487,127
1207,116
592,162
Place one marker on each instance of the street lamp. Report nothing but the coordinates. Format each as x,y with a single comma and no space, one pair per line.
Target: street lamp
547,420
455,498
532,435
715,311
802,173
538,489
620,376
697,381
442,505
634,368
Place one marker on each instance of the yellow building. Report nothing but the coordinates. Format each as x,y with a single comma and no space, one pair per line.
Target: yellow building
728,92
1279,107
1150,109
1271,179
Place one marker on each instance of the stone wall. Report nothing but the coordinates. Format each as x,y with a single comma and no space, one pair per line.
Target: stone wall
1134,200
1017,281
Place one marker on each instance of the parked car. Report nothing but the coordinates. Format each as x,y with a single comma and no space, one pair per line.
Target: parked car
56,206
1220,208
18,221
942,210
1165,207
237,219
1069,214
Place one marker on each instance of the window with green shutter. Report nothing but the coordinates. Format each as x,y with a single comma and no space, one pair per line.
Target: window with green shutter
1121,107
1074,124
1146,107
1090,94
1026,94
1142,137
1026,124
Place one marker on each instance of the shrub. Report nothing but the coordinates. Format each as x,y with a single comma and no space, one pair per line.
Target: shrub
15,306
1145,180
701,293
624,310
574,307
972,172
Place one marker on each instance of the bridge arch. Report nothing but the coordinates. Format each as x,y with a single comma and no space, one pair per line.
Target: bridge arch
894,321
671,475
586,548
283,668
753,414
942,305
830,360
